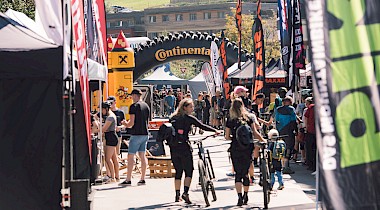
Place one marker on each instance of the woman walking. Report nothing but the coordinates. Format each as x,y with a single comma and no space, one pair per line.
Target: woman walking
109,129
241,158
180,147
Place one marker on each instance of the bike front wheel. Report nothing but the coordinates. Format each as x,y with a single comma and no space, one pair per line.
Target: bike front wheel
204,181
265,183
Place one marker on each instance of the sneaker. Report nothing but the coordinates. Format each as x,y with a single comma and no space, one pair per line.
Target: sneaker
177,198
245,199
240,201
280,187
230,174
185,197
106,178
314,173
127,183
141,182
288,170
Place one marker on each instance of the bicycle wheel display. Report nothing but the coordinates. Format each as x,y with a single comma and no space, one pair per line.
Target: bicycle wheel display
212,189
265,183
204,181
210,167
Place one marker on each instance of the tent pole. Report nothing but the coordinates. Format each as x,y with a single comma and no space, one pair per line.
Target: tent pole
101,124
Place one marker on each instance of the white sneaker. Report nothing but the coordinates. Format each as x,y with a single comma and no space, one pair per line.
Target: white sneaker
314,173
106,178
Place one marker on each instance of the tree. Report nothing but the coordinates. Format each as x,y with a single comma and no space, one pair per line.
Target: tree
25,6
272,44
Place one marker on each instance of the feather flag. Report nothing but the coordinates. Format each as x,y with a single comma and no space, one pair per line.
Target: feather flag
209,77
298,48
258,40
285,26
223,55
239,19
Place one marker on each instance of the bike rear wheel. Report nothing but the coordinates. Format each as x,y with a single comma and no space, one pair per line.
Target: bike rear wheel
204,181
265,183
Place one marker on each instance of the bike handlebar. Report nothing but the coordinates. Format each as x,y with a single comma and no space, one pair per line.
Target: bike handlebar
204,138
269,140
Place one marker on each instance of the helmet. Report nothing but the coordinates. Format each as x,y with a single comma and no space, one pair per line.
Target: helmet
273,134
282,89
106,104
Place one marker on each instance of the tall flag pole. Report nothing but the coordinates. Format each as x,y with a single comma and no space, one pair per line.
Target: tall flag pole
346,84
223,55
258,40
238,18
285,27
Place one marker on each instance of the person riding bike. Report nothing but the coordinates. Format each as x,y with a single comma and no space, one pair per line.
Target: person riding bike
180,148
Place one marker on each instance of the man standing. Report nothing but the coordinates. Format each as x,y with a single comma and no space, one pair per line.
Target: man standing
119,118
311,143
139,116
286,124
170,102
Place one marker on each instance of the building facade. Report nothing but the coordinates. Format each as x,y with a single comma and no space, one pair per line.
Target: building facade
154,22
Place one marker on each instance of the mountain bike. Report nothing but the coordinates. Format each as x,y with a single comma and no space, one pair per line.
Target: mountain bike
206,170
265,164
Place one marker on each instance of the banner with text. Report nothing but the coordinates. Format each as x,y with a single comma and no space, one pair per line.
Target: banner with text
346,67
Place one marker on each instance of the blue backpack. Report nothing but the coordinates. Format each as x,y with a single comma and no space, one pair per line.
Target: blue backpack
278,150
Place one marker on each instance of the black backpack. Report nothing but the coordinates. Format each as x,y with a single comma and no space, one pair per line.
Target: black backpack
243,135
166,132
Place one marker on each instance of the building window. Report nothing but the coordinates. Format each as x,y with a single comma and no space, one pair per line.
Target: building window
119,23
152,35
152,19
178,17
193,16
165,18
108,24
221,15
130,23
207,15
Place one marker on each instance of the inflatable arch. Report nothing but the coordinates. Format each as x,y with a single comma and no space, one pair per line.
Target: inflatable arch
179,46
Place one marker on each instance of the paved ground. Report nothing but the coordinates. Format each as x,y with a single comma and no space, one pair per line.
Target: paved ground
158,193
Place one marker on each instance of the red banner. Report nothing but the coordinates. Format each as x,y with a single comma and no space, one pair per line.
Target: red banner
80,44
100,18
239,20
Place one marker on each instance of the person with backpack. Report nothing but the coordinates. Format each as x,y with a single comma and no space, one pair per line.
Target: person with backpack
277,148
180,147
240,127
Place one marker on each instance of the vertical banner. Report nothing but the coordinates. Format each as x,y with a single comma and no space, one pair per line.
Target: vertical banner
239,19
346,79
214,56
209,77
100,18
285,27
80,44
298,48
258,41
223,56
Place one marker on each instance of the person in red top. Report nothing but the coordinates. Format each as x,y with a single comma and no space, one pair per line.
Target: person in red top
311,143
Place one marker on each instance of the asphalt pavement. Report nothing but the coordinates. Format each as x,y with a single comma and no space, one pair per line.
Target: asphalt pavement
159,193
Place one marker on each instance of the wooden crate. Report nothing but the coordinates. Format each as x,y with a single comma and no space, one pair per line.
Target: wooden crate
161,167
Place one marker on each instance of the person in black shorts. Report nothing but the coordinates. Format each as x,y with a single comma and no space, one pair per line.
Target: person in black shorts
119,117
110,135
180,149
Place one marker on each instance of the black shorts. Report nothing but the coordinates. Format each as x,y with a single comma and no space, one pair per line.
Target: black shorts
111,138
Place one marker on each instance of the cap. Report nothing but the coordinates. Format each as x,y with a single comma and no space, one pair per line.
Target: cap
282,89
239,89
136,91
111,98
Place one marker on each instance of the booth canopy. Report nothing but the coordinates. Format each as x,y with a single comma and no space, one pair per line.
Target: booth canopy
163,76
197,84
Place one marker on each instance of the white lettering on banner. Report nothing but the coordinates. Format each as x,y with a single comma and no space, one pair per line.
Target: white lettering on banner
79,40
283,15
326,122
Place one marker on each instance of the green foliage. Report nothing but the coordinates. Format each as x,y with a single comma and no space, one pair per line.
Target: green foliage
25,6
272,44
192,68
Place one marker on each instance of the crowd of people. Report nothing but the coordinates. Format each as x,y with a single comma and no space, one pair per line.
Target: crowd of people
212,113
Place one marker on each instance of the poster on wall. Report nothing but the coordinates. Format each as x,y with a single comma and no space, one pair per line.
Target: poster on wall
345,63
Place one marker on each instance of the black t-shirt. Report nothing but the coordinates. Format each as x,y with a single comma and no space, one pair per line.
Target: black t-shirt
141,111
183,124
119,117
246,101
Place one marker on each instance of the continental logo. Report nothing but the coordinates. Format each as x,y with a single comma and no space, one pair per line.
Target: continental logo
162,54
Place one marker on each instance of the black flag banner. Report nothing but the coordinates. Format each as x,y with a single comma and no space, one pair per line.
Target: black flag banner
346,77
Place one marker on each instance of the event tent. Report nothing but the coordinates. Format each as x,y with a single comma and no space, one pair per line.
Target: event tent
163,76
31,116
197,84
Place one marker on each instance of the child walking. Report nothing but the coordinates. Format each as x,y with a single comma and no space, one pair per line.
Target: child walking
277,148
